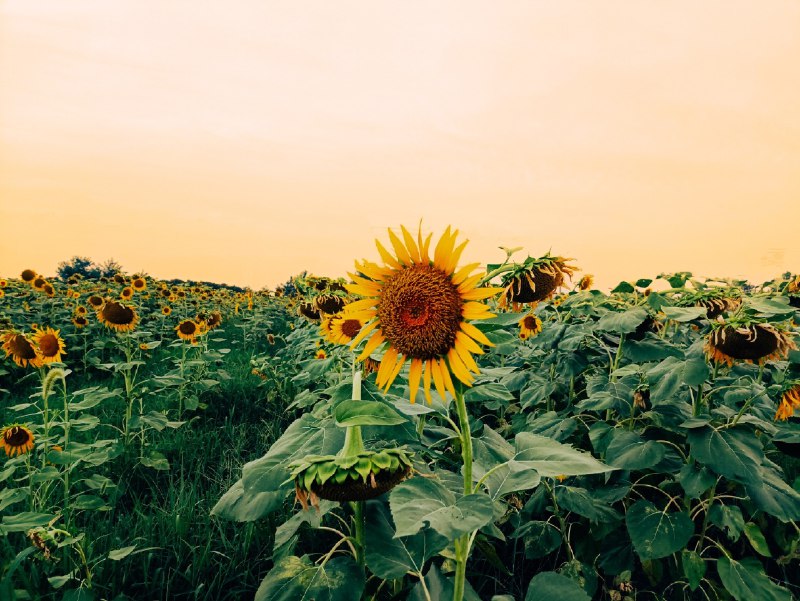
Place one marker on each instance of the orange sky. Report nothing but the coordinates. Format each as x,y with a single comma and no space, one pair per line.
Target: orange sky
246,141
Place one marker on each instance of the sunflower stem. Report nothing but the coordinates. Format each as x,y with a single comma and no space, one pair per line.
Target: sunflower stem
353,441
359,531
463,543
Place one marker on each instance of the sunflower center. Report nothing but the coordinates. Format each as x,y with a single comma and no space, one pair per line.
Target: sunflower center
48,345
420,311
16,436
117,313
188,327
351,327
529,322
21,348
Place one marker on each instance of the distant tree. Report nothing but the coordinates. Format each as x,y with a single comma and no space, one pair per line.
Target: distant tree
82,266
109,268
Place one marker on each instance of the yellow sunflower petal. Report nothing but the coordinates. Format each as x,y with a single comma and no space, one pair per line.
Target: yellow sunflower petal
458,368
463,273
362,290
363,333
411,245
480,293
387,365
467,343
469,283
374,342
424,246
438,380
455,256
474,333
399,249
400,363
466,358
414,374
448,381
443,249
387,256
426,381
360,305
473,310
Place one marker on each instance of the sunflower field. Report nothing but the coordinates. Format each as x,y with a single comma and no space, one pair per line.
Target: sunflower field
421,430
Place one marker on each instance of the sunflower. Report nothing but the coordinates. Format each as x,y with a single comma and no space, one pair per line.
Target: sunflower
3,283
127,292
80,310
529,326
420,308
308,310
38,282
118,316
320,354
2,293
139,284
49,345
187,329
166,310
586,282
344,328
49,290
534,280
214,320
79,321
119,278
20,349
16,439
789,402
28,275
96,301
756,342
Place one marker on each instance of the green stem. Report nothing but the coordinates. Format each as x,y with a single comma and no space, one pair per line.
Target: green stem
353,442
360,532
462,544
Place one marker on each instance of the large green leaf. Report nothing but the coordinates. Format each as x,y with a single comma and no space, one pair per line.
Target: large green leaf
366,413
656,533
694,568
684,313
622,323
746,581
21,522
582,502
238,506
774,496
511,476
547,586
491,391
389,557
729,452
551,458
306,436
298,579
629,451
425,502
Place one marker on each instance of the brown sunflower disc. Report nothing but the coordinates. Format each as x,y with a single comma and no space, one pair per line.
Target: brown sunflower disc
307,310
758,342
794,301
544,286
358,490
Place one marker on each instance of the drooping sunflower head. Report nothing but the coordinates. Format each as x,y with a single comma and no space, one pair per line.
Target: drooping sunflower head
28,275
21,350
139,284
118,316
753,343
309,311
534,280
49,345
586,282
329,303
187,329
529,326
419,307
16,439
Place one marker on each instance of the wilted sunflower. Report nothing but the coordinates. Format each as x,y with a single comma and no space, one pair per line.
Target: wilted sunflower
420,309
757,342
117,316
534,280
127,292
96,301
28,275
165,310
16,439
139,284
187,329
586,282
79,321
789,402
529,326
214,320
20,349
49,345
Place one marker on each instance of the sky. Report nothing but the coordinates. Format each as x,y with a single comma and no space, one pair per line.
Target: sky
247,141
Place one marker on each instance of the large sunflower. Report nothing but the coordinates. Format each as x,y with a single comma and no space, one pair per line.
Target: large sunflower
16,439
187,330
20,349
49,345
118,316
420,308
